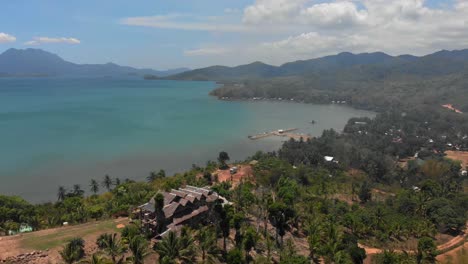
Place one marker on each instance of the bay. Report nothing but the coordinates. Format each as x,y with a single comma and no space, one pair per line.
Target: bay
67,131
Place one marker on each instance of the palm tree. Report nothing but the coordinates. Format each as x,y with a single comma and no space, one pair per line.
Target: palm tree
61,193
207,245
314,241
168,247
224,223
77,191
101,241
94,186
139,248
107,183
249,241
172,248
332,245
68,254
96,259
73,250
427,250
111,245
156,175
117,182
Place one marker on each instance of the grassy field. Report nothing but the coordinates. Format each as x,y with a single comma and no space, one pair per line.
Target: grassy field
53,239
58,237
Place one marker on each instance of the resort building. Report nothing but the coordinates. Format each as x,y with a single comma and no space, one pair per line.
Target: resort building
185,206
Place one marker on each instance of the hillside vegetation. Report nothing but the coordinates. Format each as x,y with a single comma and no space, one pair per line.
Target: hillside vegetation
371,80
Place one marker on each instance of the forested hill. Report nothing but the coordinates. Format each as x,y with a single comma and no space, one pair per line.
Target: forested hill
439,63
372,81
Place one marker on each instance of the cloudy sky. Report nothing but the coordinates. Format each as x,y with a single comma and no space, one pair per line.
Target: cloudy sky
165,34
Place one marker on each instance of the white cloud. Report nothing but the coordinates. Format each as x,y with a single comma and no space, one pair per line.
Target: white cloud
47,40
393,26
333,14
272,11
277,31
5,38
181,22
206,52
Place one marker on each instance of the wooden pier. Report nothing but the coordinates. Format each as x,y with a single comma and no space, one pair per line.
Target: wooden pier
281,133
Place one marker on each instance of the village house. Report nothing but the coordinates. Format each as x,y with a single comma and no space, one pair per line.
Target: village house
185,206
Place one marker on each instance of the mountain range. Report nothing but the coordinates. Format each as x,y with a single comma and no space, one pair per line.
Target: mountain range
439,63
375,81
37,62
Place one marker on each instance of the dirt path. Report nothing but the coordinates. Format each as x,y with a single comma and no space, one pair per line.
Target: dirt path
451,243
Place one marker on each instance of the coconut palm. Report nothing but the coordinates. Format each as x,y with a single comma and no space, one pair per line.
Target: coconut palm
77,191
94,186
250,238
314,241
96,259
107,183
168,247
173,248
332,245
427,250
207,244
73,250
117,182
139,248
61,193
187,250
111,245
102,240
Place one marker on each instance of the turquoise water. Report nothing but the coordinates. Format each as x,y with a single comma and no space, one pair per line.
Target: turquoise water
66,131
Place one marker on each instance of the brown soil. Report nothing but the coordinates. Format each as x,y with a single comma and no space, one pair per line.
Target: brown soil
244,173
458,155
454,256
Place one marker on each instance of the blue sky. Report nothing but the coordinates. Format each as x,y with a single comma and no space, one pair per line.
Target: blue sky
194,33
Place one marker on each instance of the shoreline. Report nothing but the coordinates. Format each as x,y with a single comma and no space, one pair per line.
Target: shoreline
155,136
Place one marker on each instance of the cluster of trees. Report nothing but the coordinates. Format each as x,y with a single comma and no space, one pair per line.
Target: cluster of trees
128,247
108,197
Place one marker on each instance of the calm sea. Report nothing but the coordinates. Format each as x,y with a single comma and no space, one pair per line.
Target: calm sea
67,131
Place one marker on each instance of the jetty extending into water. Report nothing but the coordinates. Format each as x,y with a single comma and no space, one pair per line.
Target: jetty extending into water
281,133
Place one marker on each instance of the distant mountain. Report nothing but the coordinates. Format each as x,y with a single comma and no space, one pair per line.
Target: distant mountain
27,62
374,81
262,70
253,70
377,64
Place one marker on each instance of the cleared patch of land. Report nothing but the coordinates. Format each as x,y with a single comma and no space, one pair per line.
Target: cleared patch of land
456,249
53,239
244,172
458,155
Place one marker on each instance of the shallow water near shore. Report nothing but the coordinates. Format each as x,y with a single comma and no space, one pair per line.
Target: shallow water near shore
67,131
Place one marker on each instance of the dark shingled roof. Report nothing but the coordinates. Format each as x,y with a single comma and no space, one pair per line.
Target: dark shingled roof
170,209
184,197
194,213
168,197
